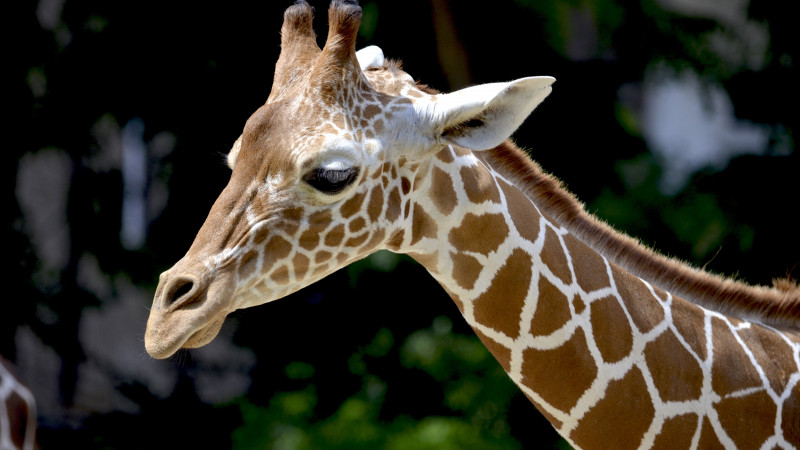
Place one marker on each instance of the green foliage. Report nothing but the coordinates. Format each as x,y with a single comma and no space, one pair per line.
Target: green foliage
693,219
475,389
445,433
369,20
565,19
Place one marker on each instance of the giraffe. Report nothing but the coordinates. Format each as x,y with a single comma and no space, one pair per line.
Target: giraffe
616,345
17,412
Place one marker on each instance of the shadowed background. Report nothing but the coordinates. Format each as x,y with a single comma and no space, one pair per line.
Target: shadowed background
672,119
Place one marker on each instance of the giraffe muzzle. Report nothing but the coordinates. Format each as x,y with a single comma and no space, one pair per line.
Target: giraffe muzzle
188,311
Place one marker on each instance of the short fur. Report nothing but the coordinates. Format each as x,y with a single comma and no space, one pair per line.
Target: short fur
778,307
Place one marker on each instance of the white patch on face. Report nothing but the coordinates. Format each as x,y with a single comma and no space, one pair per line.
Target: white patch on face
336,148
370,57
336,165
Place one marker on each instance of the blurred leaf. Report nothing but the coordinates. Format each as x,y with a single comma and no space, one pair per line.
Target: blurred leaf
443,433
296,404
298,370
380,344
697,221
369,20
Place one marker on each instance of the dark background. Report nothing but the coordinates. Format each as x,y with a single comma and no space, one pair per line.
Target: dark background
375,356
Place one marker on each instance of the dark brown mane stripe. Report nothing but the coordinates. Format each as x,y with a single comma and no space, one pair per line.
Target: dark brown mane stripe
775,307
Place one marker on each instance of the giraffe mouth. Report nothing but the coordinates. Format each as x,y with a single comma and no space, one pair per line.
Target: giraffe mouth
164,335
205,334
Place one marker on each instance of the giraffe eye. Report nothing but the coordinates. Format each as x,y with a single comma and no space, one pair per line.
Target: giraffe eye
331,180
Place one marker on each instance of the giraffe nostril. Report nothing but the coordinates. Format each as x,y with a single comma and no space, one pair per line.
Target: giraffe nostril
180,290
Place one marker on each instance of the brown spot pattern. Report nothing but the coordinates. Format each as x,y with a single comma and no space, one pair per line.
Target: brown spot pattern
479,185
790,423
291,221
747,430
771,353
396,240
612,333
393,206
480,234
375,205
320,219
589,266
375,240
689,320
552,309
621,418
543,371
352,205
444,195
371,111
501,354
357,240
708,438
357,224
461,151
278,248
731,369
676,433
300,264
554,257
309,240
509,286
444,155
422,225
645,310
334,236
405,184
322,256
668,361
466,269
281,274
523,214
578,304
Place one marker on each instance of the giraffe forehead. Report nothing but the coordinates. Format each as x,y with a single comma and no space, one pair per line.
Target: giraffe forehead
318,124
391,80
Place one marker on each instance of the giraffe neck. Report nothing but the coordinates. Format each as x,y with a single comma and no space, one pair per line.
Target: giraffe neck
595,348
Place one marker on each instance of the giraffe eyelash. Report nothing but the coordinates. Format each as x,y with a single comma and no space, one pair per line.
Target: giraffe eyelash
331,181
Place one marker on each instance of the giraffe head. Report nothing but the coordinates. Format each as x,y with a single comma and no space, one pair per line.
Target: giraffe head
323,174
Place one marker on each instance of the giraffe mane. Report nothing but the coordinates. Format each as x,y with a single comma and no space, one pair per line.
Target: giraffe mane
777,306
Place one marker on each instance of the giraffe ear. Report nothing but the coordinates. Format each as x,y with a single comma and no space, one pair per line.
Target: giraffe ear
482,117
